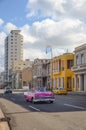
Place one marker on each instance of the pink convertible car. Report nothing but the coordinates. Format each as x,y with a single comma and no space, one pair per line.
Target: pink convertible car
40,95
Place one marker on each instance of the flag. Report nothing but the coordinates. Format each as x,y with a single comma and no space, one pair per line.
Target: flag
48,50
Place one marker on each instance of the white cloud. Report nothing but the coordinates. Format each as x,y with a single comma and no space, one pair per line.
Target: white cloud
26,32
57,34
1,21
61,35
9,26
57,9
50,8
33,53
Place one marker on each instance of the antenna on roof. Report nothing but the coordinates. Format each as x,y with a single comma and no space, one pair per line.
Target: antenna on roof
67,50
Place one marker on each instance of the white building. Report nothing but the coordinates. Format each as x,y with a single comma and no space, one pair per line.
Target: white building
13,50
80,68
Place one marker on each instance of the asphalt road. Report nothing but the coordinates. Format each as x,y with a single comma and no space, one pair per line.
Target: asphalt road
68,112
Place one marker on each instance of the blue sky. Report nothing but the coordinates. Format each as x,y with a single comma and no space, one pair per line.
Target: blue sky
13,11
60,24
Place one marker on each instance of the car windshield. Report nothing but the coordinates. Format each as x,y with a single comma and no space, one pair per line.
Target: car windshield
7,88
61,88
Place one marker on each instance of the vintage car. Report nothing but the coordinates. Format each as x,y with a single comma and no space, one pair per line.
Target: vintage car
39,95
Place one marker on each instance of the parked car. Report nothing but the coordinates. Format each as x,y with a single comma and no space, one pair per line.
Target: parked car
8,90
55,90
62,91
39,95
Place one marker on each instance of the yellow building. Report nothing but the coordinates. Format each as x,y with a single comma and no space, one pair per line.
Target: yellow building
61,73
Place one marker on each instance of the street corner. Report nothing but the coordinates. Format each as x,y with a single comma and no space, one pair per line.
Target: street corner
3,122
4,126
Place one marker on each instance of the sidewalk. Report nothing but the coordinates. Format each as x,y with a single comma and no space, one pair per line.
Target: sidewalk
3,124
81,93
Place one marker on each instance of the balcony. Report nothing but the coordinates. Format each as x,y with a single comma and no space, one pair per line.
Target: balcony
43,74
79,67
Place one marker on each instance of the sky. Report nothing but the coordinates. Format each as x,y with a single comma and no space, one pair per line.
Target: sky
58,24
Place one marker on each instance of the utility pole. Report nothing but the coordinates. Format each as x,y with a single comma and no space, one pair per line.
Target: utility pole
49,49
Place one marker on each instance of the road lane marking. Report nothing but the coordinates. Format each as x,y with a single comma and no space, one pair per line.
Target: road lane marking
69,105
34,108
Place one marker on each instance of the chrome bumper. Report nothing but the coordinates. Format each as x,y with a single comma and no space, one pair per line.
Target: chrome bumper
44,100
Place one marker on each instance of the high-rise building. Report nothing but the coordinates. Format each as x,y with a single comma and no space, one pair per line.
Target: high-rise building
13,50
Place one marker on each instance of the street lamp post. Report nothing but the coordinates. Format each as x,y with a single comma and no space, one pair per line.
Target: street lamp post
50,50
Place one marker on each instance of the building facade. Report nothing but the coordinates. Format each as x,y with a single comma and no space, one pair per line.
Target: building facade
20,65
27,79
19,74
79,68
41,73
61,73
13,50
2,85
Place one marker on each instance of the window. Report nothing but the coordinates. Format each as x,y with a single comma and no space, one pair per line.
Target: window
69,83
62,68
63,82
11,56
62,65
77,60
69,64
82,58
59,82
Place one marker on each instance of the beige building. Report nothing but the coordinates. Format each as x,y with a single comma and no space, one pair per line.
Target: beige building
20,65
80,68
19,73
27,77
13,50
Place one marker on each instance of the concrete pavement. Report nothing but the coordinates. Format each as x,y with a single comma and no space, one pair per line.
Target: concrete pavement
3,123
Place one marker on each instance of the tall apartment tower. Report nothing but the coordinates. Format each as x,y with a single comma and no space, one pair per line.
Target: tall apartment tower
13,50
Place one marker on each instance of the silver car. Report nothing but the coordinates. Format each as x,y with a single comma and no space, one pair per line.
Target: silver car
8,90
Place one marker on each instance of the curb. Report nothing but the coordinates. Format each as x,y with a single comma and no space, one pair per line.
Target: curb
77,93
3,122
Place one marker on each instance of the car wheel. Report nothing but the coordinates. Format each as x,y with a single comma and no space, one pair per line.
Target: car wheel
27,100
51,101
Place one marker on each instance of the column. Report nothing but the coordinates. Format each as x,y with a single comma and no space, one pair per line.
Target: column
75,82
80,82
